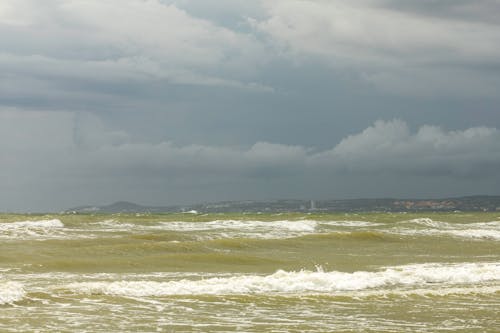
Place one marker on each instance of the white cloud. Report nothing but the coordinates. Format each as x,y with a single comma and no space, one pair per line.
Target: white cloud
390,147
339,29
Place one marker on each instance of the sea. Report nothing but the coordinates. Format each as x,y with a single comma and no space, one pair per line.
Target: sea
286,272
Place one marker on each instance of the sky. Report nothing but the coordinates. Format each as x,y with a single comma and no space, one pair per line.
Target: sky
165,102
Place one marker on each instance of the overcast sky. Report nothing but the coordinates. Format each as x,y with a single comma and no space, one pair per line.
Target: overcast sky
182,101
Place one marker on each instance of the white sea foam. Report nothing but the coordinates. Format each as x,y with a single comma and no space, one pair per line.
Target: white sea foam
41,229
113,225
491,224
476,230
241,228
302,225
11,292
303,281
474,233
348,223
426,292
42,224
446,225
424,221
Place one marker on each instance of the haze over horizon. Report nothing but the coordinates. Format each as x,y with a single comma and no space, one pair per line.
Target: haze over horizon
182,101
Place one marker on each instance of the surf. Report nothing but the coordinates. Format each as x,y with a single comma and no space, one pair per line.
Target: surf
303,281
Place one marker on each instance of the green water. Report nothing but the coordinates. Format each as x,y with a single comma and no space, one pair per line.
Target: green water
250,273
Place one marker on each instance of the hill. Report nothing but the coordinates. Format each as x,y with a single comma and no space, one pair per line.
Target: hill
469,203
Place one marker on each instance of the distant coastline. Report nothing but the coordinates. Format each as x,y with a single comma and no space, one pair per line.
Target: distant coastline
479,203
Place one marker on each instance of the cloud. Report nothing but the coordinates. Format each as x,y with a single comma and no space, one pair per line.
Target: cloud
391,148
216,99
384,148
90,133
387,147
50,153
397,48
78,45
475,11
229,13
108,55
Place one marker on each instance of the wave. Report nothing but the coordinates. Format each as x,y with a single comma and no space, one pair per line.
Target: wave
353,235
11,292
259,229
241,229
477,230
41,224
348,223
427,222
422,292
42,229
302,281
114,226
474,234
302,225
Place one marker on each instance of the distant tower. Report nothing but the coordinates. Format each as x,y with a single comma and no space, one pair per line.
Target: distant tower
313,205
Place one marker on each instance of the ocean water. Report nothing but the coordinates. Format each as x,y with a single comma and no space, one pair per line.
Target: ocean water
250,273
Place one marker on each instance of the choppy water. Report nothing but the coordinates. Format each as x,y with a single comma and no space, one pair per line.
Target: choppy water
250,273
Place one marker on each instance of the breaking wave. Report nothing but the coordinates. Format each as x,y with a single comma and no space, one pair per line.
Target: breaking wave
303,225
242,229
475,233
303,281
42,224
11,292
31,229
425,221
478,230
347,223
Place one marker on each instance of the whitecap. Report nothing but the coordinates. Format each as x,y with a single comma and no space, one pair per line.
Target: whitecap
472,234
425,221
41,224
114,225
348,223
484,234
319,281
11,292
241,228
41,229
428,292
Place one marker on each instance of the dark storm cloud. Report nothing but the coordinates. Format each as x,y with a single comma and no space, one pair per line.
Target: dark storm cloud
181,101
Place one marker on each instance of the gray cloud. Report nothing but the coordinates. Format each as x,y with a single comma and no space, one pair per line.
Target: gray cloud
167,101
400,51
99,161
386,147
479,11
76,49
145,42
